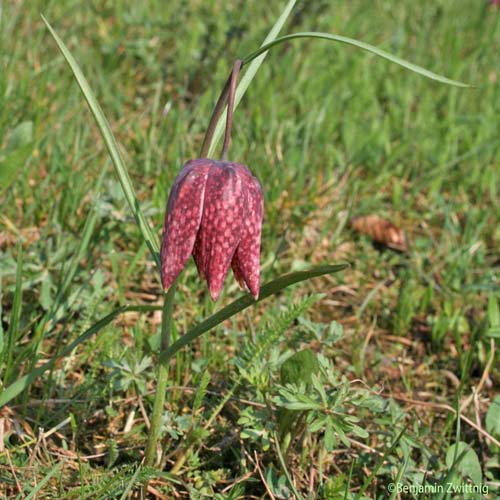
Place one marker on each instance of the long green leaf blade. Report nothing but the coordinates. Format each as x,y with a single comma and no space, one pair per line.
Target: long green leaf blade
249,75
111,146
271,288
358,44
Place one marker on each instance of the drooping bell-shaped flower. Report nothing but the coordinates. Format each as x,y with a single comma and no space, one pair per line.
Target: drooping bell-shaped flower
214,213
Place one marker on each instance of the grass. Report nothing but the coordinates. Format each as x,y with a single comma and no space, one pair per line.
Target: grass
402,346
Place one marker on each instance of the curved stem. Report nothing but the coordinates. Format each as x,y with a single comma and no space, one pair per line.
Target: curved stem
216,113
218,110
161,386
230,106
219,107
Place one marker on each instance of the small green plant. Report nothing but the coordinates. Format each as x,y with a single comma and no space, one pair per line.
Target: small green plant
301,396
232,96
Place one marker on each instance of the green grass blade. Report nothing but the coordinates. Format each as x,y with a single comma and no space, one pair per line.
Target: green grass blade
131,483
85,240
379,463
22,383
2,333
62,292
81,250
399,478
15,316
358,44
15,155
111,145
11,164
57,467
284,468
271,288
249,75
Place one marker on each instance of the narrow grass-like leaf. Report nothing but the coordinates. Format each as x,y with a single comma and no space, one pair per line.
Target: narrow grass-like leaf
15,316
453,470
284,468
111,145
379,464
271,288
22,383
398,478
57,467
358,44
2,336
11,164
131,483
62,292
16,153
249,75
81,250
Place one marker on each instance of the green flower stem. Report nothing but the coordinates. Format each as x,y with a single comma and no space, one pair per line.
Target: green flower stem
161,385
230,106
214,120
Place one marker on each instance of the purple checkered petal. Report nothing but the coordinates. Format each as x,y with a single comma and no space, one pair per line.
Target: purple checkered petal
215,213
182,219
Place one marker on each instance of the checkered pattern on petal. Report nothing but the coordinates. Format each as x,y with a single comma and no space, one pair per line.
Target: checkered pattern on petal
246,260
182,219
221,225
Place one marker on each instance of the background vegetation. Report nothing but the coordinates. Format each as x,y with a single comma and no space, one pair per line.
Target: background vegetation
401,345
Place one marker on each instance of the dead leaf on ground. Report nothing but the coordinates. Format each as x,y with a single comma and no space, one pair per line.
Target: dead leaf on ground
381,231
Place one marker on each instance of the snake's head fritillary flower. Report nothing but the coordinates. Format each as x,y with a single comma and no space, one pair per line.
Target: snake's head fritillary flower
214,212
